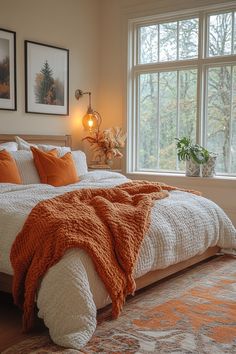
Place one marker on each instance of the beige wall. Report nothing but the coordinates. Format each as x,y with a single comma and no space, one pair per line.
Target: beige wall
72,24
112,84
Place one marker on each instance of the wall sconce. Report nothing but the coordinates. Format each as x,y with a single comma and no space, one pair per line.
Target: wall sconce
92,119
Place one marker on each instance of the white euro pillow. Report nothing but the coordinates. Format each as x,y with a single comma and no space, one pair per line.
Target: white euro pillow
80,162
62,150
24,145
25,163
9,146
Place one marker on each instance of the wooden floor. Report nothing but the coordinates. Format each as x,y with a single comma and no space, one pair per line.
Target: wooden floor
10,323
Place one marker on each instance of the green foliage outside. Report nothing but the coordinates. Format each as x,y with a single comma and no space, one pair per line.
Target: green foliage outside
168,99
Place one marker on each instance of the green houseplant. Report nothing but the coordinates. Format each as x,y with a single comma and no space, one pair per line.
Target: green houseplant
186,150
194,155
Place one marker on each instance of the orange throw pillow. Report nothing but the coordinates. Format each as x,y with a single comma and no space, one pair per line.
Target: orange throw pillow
8,170
57,171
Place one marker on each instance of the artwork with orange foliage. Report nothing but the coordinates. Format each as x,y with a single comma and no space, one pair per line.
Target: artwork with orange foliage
7,70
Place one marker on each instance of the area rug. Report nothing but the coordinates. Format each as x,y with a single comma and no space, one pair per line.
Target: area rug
194,312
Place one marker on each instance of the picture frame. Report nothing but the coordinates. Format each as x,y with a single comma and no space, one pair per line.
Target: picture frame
7,70
46,79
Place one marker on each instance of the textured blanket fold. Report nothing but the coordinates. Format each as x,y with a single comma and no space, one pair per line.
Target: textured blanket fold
109,224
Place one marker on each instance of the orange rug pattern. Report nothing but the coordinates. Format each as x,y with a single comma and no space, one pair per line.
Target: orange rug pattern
194,312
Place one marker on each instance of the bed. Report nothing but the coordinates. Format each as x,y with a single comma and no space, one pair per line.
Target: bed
185,229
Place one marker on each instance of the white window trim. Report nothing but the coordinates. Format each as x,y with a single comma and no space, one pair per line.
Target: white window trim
201,63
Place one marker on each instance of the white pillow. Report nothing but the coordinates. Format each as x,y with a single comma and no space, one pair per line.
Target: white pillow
26,167
62,150
24,145
79,158
9,146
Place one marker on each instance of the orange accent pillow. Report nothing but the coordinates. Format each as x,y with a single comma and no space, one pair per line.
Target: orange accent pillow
8,170
57,171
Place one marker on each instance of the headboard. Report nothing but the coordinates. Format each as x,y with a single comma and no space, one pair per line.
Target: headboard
58,140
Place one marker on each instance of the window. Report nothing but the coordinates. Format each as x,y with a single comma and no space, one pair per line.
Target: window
182,83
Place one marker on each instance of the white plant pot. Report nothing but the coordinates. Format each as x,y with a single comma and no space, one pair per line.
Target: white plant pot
208,168
192,169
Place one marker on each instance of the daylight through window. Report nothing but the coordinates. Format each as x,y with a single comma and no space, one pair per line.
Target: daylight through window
183,83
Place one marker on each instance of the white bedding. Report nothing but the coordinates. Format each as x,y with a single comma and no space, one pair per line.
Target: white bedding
182,226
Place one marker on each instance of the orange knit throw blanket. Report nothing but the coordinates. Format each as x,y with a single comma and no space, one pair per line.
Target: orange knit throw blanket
109,224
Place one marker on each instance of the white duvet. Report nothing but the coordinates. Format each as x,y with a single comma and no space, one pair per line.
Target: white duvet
182,225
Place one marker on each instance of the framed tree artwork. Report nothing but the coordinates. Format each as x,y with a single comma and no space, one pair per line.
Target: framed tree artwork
46,79
7,69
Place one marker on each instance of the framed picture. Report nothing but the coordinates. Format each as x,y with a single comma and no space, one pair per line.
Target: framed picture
46,79
7,69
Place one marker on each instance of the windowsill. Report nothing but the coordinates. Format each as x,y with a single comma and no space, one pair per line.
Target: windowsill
181,178
180,175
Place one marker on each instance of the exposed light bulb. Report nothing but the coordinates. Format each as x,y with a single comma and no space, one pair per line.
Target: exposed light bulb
90,122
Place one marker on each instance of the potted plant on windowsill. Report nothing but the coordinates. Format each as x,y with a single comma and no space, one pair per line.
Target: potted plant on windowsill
195,155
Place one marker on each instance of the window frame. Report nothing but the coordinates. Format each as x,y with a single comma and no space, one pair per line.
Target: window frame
202,63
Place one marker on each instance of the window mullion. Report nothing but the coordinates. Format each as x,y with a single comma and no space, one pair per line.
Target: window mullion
177,40
172,65
136,40
206,35
232,36
204,105
201,79
177,116
137,121
158,122
131,98
231,120
202,36
227,59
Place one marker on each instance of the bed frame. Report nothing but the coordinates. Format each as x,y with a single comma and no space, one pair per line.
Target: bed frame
145,280
58,140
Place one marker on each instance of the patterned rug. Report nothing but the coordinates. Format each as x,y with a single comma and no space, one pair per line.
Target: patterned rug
194,312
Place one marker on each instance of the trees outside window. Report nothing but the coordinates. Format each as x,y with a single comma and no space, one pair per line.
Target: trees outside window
183,83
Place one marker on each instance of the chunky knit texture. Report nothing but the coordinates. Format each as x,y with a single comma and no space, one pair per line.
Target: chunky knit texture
109,224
